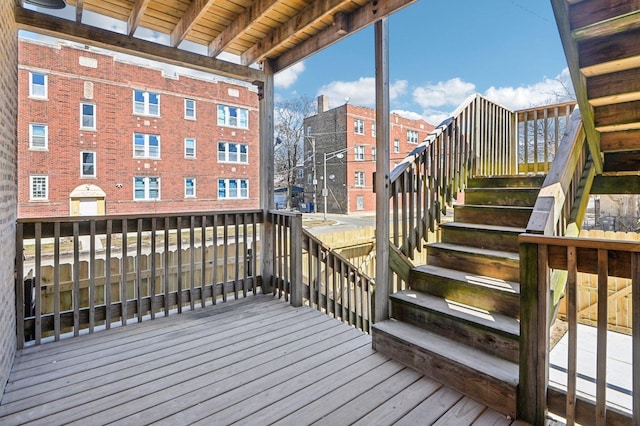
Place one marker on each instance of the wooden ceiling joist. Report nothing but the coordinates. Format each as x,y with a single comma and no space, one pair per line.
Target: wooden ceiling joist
56,27
139,8
196,10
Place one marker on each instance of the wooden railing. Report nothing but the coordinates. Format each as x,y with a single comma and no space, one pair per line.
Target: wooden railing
539,132
605,258
334,285
80,274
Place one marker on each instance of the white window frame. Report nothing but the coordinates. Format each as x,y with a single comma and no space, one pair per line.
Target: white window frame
360,202
231,116
186,148
412,136
358,126
93,163
225,156
45,147
187,109
373,130
93,116
186,187
147,187
147,146
45,86
240,193
358,153
145,107
45,181
359,179
374,153
396,146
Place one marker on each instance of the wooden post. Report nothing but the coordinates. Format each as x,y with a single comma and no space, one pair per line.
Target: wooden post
296,260
20,285
265,94
382,170
534,338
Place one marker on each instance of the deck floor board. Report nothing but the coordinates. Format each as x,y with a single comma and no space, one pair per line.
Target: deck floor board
252,361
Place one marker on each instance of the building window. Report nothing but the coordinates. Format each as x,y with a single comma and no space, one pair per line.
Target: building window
146,146
38,136
396,146
373,129
233,152
412,136
88,116
359,153
358,126
190,187
309,179
146,188
233,116
373,154
233,188
190,109
146,103
87,164
37,85
189,148
38,188
359,179
360,202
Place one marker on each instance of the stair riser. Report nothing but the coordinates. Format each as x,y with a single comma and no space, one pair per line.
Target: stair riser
469,294
503,269
507,182
501,197
492,240
518,218
471,334
485,389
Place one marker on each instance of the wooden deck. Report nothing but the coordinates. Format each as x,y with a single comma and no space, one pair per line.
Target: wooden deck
253,361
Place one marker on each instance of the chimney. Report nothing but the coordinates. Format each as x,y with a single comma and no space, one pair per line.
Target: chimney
323,103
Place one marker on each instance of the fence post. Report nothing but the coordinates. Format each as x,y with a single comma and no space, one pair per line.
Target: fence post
296,260
534,334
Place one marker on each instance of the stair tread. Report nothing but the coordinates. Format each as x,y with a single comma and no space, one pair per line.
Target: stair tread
493,321
493,207
508,255
475,279
460,353
483,227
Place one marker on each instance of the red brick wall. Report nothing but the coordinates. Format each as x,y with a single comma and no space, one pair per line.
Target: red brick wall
8,189
113,85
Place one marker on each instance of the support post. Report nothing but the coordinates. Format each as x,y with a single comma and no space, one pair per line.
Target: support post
381,312
265,93
296,260
534,334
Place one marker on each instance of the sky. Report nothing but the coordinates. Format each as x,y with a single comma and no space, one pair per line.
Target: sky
440,52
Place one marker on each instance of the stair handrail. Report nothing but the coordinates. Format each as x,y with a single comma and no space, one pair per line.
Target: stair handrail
424,184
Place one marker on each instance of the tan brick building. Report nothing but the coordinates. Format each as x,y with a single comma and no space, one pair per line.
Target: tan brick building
98,135
347,134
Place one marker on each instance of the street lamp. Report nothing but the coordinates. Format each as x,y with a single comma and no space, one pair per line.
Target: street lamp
328,156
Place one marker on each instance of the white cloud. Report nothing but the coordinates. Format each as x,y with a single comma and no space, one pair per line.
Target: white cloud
407,114
547,91
361,92
284,79
451,92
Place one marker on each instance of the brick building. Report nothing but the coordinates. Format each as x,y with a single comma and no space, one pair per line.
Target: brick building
347,134
99,135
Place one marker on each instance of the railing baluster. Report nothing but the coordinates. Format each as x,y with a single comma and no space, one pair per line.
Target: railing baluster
635,319
37,284
179,255
572,319
601,362
56,281
203,261
225,255
236,273
139,270
107,281
92,275
254,254
214,272
124,272
76,281
167,237
245,243
153,269
192,261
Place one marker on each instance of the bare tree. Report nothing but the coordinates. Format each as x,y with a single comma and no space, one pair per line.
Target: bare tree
289,130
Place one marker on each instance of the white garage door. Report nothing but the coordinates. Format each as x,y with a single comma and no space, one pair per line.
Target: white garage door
88,207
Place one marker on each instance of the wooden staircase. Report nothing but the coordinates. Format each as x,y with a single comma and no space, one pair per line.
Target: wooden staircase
458,322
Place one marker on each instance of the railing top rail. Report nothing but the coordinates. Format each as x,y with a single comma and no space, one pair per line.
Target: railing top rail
288,213
541,108
589,243
71,219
